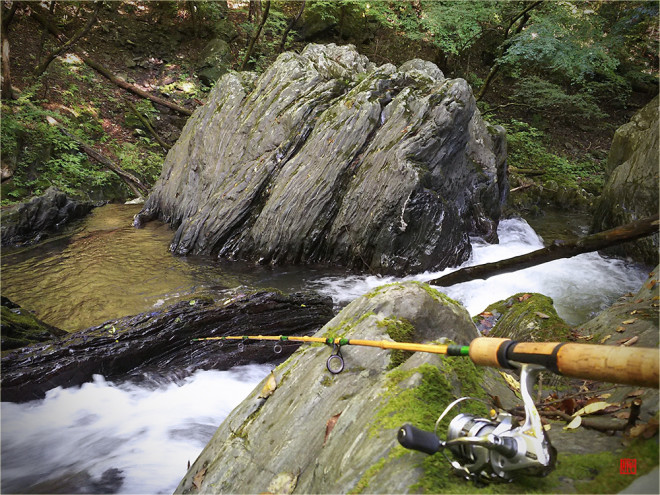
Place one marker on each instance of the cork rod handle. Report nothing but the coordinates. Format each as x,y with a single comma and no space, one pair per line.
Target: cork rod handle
633,366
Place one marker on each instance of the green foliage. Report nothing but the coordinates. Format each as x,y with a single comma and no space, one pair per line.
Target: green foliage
145,163
551,99
528,149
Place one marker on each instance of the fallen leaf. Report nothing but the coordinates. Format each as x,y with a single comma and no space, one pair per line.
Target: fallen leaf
605,339
330,425
622,415
546,427
631,341
542,315
635,393
486,314
199,478
592,408
630,322
524,297
604,396
651,284
269,387
577,421
620,329
634,311
651,428
637,430
568,406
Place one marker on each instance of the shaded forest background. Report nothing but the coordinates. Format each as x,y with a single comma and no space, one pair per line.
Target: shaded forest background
95,93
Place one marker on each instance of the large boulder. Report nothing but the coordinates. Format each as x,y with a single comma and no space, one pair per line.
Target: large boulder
315,432
327,158
631,191
324,433
32,221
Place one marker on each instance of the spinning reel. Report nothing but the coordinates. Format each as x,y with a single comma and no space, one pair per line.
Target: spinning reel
495,449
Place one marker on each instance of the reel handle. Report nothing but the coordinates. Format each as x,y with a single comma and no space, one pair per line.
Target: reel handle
413,438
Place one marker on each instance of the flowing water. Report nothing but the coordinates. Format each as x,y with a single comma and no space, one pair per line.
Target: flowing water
107,437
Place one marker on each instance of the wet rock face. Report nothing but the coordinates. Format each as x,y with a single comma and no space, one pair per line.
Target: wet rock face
631,191
326,158
160,342
29,222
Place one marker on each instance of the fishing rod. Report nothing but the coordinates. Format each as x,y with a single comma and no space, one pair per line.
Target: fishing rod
498,448
624,365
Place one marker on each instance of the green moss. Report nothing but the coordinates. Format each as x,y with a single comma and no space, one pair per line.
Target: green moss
400,330
381,289
21,328
368,475
433,390
436,294
532,318
345,326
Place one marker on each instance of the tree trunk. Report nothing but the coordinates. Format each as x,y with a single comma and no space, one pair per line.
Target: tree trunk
133,89
290,26
7,16
88,25
629,232
524,15
250,49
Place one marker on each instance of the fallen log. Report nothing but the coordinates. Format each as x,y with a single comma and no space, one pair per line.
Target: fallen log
44,21
136,185
601,240
159,341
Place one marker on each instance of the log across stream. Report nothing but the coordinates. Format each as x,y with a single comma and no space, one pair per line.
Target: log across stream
127,437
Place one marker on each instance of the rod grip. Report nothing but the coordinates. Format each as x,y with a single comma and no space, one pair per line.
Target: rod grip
628,365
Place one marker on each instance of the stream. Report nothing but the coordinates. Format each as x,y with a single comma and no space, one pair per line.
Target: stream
122,437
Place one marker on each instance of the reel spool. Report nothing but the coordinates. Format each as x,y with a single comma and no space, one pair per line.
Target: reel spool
494,449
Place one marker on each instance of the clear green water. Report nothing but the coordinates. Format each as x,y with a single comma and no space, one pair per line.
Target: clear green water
109,269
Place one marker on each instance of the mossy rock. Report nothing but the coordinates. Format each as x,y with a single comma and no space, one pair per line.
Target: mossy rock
20,327
524,317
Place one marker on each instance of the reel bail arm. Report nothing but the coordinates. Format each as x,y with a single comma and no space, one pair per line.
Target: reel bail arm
495,449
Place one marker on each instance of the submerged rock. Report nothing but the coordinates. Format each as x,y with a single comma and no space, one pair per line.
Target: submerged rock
326,158
31,221
631,191
160,341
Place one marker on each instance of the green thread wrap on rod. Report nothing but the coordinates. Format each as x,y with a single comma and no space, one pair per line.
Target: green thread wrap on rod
458,350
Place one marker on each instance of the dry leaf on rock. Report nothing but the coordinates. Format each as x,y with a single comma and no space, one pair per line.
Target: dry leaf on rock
631,341
269,387
524,297
630,322
543,316
577,421
330,425
199,478
592,408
